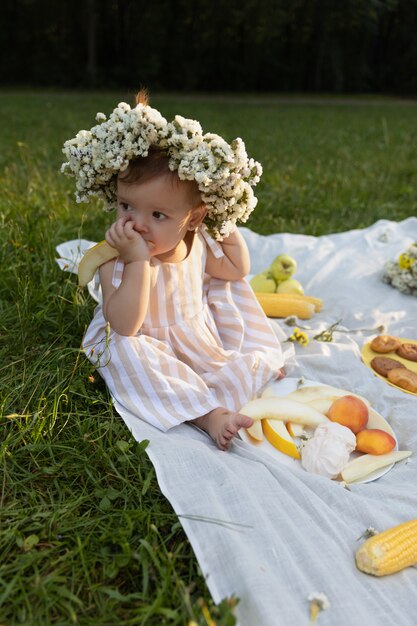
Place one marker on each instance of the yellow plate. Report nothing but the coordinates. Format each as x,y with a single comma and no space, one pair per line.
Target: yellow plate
368,355
286,386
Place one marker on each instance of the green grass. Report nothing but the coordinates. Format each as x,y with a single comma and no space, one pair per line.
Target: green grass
85,535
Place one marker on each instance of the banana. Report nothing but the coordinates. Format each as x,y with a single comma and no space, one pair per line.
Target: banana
283,409
92,259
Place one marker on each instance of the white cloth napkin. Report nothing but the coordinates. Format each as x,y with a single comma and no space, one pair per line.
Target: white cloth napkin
272,534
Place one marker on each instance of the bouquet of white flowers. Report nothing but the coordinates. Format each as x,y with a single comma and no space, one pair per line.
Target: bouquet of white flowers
402,274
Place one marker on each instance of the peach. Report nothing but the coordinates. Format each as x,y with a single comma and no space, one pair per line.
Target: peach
374,441
350,411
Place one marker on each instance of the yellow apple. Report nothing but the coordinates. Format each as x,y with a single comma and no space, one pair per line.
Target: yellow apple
263,283
290,286
283,267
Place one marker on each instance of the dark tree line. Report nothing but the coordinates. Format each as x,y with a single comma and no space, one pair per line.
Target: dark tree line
212,45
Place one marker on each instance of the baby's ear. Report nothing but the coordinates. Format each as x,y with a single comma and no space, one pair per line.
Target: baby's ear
198,215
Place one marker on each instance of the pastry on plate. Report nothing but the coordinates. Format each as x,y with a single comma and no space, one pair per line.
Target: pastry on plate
383,364
384,344
404,378
407,351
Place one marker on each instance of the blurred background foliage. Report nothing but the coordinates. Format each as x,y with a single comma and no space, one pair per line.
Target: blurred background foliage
334,46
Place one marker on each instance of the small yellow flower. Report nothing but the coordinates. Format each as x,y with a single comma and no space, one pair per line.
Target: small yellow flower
299,336
405,261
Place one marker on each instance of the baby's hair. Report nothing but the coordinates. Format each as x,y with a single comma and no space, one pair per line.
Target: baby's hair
142,97
156,164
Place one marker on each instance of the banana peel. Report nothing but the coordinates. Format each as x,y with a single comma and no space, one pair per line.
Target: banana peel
92,259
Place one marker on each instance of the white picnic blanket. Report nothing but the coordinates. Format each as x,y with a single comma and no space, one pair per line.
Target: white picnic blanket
271,534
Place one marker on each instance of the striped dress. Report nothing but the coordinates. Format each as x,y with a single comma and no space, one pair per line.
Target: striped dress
205,343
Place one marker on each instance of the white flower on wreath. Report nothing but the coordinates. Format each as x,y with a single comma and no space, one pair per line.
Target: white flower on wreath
223,172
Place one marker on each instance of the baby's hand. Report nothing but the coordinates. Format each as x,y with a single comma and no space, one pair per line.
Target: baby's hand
128,242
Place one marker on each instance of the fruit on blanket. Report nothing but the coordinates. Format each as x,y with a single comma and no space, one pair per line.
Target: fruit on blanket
316,392
284,410
274,306
374,441
277,434
322,404
364,465
349,411
255,431
283,267
278,279
92,259
290,286
263,282
295,430
390,551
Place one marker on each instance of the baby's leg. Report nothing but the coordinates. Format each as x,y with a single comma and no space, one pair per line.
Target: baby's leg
222,425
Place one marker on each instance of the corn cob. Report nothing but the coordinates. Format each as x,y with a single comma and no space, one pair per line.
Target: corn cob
318,302
390,551
275,306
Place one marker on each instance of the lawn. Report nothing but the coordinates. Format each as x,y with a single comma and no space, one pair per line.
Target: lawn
86,535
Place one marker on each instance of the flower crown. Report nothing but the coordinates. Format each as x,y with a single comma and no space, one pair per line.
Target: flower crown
224,173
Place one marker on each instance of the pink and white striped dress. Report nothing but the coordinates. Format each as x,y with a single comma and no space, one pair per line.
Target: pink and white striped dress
204,343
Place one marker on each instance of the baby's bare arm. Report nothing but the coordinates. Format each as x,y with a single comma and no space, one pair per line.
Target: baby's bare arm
236,262
125,307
